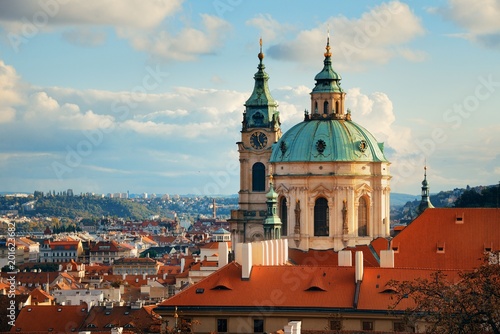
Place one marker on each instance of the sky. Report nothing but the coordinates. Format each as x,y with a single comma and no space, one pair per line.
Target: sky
147,96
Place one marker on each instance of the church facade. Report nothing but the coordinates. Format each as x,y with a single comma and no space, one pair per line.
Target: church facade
330,175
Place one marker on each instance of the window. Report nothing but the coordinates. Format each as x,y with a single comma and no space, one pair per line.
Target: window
258,325
335,325
258,177
399,327
325,107
283,216
321,217
367,325
362,218
222,325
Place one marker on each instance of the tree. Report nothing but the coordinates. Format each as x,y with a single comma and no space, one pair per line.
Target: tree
469,305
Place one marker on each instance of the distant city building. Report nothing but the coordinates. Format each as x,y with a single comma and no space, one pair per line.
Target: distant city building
136,266
61,251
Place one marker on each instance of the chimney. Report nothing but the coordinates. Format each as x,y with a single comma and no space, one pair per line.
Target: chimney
277,252
285,251
246,266
358,277
345,258
293,327
183,264
237,253
223,254
387,258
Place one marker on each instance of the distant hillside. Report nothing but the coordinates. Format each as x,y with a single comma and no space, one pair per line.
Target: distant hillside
398,199
470,197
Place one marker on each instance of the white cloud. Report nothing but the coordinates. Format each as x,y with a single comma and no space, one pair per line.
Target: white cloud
131,13
143,23
376,36
186,45
480,19
376,113
269,28
44,111
10,94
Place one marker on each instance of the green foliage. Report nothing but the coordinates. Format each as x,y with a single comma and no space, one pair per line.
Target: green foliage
487,197
470,304
89,207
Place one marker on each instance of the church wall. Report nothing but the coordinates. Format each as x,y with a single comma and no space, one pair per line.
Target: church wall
336,182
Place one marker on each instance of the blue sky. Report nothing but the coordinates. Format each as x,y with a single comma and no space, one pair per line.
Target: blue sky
147,96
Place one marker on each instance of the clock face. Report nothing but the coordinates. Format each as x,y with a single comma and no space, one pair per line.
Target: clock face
258,140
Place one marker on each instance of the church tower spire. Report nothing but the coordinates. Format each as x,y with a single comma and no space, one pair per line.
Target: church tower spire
261,108
327,97
272,224
425,202
260,131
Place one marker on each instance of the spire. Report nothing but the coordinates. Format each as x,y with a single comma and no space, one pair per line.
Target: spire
327,80
272,224
261,106
260,55
328,53
327,96
425,202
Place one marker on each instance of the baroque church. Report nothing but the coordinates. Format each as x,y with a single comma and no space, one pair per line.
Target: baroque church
324,184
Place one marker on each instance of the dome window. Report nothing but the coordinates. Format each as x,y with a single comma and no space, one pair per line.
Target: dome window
362,146
283,148
320,146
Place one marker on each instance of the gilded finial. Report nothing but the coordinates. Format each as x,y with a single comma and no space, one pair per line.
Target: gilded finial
328,53
261,55
271,174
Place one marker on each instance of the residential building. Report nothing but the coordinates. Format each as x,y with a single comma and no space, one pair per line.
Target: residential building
136,266
90,297
61,251
32,247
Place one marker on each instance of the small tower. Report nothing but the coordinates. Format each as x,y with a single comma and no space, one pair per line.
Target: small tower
425,202
259,131
272,224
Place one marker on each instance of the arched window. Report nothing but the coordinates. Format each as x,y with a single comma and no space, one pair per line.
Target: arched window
362,217
283,216
337,108
316,107
325,107
321,217
258,177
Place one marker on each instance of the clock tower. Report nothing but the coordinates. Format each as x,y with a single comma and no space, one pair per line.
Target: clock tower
260,130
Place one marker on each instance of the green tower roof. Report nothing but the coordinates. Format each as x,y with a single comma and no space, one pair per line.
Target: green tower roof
327,140
261,95
327,81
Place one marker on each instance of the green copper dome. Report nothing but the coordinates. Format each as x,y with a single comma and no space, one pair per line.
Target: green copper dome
326,141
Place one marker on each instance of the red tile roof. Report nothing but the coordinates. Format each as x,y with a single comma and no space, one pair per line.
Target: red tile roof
375,295
102,246
275,286
138,320
40,296
464,241
62,319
